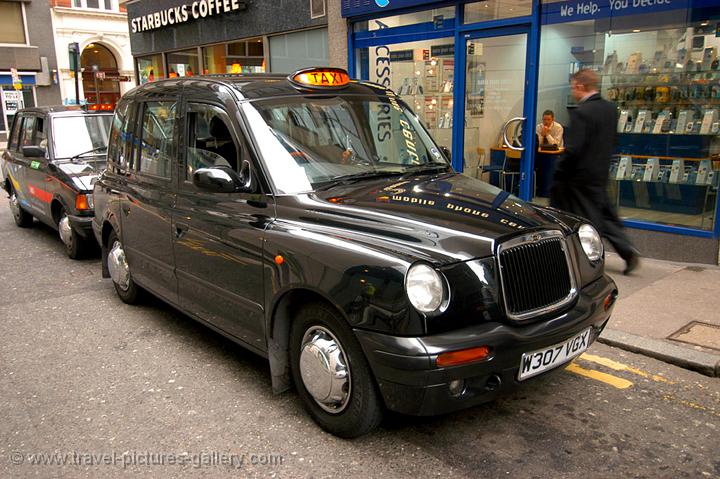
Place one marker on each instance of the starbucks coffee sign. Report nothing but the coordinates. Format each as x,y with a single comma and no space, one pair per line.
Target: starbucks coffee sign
192,11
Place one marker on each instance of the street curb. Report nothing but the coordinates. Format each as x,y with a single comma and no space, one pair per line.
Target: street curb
704,363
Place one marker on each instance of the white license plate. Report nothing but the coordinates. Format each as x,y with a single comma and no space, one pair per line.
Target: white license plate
536,362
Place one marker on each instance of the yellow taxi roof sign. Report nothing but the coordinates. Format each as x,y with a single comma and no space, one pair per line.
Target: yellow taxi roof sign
320,77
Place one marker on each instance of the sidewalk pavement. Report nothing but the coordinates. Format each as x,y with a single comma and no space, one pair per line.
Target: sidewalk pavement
669,311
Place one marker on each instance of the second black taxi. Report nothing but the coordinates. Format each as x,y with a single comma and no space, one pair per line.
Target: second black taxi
53,156
313,220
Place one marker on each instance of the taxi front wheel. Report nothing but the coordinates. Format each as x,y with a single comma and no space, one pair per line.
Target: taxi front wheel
22,218
331,373
74,244
119,270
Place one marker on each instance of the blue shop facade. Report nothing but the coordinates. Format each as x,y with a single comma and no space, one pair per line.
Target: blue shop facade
482,75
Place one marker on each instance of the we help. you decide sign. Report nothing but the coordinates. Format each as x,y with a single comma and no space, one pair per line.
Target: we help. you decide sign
574,10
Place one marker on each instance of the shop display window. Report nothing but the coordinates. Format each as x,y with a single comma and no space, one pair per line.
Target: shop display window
422,74
496,10
150,68
246,56
663,75
184,63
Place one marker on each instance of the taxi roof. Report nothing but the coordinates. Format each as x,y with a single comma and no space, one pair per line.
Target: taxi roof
264,85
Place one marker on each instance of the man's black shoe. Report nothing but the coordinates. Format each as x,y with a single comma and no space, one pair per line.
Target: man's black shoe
632,264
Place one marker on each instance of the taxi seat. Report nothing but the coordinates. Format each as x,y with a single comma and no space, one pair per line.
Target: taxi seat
221,142
299,132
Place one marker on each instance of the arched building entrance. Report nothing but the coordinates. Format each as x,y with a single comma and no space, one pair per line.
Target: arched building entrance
100,75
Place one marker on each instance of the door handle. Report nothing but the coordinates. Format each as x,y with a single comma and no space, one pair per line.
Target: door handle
505,127
180,230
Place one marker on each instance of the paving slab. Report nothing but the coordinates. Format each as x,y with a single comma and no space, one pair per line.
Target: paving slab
669,311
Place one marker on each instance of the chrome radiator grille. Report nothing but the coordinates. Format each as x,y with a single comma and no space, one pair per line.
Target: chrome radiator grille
535,274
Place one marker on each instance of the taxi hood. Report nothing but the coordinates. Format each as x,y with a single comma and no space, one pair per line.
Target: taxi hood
444,217
82,172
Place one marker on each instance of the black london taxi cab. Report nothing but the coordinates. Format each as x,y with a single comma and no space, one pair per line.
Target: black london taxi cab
313,220
53,155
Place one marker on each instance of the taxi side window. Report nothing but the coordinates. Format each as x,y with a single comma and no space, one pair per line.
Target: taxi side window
28,130
209,141
40,138
119,144
15,136
157,140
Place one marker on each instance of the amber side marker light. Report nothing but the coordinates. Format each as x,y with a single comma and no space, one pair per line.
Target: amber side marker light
320,77
463,356
279,260
610,300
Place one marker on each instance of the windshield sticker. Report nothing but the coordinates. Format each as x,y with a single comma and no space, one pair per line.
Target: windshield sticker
35,165
393,100
410,142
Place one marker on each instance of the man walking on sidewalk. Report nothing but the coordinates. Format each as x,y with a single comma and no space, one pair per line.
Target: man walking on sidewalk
581,176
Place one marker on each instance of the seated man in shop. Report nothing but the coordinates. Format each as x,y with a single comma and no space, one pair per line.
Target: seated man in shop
549,131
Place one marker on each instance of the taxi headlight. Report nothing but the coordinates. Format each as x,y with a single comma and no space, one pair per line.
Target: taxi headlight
425,288
591,242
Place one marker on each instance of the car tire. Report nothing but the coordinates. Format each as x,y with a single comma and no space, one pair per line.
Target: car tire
125,287
74,243
321,345
22,218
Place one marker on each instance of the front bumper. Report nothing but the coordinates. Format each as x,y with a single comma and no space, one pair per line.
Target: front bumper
411,383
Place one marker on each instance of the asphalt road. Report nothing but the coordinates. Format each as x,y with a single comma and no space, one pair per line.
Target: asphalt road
108,389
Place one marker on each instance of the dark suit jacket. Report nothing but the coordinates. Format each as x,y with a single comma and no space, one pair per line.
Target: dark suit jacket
589,143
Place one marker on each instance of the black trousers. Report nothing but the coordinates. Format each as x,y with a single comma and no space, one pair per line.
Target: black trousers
591,202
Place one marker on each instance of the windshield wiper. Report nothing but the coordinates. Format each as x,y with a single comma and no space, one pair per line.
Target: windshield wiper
94,150
426,168
323,185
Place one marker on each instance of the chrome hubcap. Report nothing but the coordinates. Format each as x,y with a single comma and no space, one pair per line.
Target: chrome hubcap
118,267
324,369
65,230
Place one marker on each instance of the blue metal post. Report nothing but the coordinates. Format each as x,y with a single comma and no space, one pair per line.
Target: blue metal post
458,131
351,52
532,62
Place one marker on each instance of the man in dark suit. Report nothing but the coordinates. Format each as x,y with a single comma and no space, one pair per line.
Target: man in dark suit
581,176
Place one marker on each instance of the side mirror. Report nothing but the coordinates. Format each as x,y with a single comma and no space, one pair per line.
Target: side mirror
33,151
219,179
446,152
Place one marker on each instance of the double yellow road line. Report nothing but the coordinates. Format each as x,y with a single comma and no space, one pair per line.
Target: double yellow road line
614,381
621,383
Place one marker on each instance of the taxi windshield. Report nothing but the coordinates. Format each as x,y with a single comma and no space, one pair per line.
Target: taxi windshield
83,135
310,142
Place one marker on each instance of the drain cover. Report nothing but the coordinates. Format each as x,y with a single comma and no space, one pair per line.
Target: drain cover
699,334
